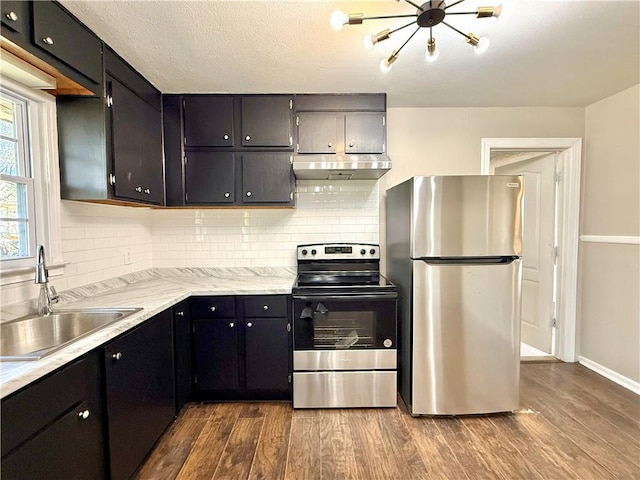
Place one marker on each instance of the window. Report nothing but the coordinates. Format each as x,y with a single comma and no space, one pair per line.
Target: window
29,182
17,199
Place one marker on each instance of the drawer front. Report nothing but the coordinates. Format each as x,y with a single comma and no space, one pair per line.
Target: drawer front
266,306
213,307
29,410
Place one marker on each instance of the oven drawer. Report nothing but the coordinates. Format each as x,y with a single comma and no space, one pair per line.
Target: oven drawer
213,307
345,360
344,389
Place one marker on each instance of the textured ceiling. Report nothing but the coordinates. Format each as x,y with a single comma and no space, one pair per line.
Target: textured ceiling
543,53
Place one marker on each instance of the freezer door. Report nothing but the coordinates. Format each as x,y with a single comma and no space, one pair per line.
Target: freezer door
466,216
466,338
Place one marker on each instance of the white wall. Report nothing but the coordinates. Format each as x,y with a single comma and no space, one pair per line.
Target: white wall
446,141
609,306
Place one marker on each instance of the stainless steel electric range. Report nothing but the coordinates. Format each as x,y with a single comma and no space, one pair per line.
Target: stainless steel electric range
344,328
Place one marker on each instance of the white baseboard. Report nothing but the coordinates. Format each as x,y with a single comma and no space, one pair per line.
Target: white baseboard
610,374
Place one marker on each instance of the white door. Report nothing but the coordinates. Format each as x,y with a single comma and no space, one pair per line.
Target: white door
538,258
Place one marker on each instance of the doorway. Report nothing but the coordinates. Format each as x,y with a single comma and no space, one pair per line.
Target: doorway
538,247
567,154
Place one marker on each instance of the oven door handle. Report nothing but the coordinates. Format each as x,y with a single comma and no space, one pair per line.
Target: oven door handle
345,296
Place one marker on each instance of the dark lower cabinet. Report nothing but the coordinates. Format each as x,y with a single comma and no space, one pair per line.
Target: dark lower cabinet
53,429
267,355
139,392
182,353
216,355
246,356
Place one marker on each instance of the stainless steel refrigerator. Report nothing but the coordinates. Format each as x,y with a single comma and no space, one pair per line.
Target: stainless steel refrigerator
453,247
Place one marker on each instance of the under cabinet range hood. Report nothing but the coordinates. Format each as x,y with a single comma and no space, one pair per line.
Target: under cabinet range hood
340,167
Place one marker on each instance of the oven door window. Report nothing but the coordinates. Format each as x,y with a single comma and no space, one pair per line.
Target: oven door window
344,324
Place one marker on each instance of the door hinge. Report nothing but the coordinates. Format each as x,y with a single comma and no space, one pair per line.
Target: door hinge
185,141
384,121
289,378
556,251
109,100
291,159
184,104
290,140
193,328
290,195
290,104
553,322
195,379
288,324
185,159
112,179
297,121
186,199
557,177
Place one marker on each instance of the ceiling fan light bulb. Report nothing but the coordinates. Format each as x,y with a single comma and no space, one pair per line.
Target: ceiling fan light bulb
482,46
432,50
385,64
368,41
339,19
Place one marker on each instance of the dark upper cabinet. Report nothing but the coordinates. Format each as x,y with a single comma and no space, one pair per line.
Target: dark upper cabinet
62,36
54,428
111,147
364,132
208,121
136,142
64,47
351,124
228,150
267,178
210,177
139,392
15,16
266,121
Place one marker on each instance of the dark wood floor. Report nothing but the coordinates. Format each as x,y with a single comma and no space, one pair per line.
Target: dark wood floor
573,424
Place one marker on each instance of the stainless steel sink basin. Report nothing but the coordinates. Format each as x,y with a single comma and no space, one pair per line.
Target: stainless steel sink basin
33,337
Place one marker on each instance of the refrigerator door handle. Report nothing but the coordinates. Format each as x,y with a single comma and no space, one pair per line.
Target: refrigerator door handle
470,260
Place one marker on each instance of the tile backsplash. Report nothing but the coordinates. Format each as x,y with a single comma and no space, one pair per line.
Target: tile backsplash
326,211
95,237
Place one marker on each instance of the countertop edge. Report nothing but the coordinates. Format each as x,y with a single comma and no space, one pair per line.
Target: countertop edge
16,375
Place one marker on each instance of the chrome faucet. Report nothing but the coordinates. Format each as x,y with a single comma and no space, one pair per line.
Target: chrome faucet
45,299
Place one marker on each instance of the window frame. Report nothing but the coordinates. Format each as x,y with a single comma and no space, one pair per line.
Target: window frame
43,146
24,176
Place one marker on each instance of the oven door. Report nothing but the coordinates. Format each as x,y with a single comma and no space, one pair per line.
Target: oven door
335,323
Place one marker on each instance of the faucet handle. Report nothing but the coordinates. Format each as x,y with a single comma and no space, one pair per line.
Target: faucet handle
54,297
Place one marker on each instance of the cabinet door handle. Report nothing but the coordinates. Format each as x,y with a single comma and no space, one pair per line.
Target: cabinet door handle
227,194
13,16
180,314
351,144
265,307
248,194
231,324
147,191
249,324
247,138
139,189
225,137
212,308
47,40
83,415
329,144
117,356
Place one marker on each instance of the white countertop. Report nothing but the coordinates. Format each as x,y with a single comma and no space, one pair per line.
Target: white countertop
154,292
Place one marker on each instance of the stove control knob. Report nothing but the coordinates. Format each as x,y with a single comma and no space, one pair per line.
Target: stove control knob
363,251
304,251
313,252
372,251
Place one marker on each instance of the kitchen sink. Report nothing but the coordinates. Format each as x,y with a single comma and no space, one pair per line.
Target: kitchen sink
35,336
